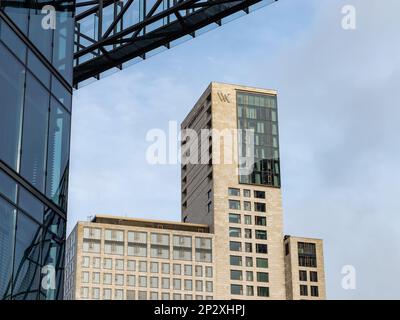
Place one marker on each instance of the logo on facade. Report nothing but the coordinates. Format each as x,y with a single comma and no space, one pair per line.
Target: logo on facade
224,97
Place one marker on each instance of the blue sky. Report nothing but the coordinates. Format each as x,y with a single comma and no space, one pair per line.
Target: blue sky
338,109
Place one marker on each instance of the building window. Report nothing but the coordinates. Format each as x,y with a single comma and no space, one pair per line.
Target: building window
234,192
107,263
199,271
182,248
143,281
96,263
235,260
177,296
96,293
263,291
86,262
247,205
259,194
236,289
248,247
188,270
259,207
234,218
119,264
247,233
142,266
209,272
153,282
199,285
96,277
235,232
236,275
188,297
313,276
261,263
131,265
246,193
153,295
165,268
314,291
247,219
249,261
85,277
107,278
165,296
165,283
85,292
260,221
250,291
249,276
119,294
154,267
302,275
130,281
307,254
188,285
119,279
234,204
130,295
209,286
262,277
107,294
235,246
303,290
177,284
142,295
177,269
261,234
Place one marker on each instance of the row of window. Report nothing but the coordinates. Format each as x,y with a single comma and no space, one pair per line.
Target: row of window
246,193
141,250
236,205
238,261
237,218
237,289
248,233
313,290
303,276
121,294
144,282
248,247
144,266
237,275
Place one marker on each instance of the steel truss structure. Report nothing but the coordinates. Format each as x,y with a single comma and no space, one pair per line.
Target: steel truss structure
109,33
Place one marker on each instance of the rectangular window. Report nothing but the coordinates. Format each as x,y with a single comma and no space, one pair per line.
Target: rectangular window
153,295
250,291
153,282
259,207
199,271
247,205
262,277
249,261
165,268
246,193
143,281
307,254
199,285
96,277
247,219
259,194
261,263
234,192
107,263
131,265
177,284
235,260
313,276
234,218
85,277
236,289
236,275
177,269
119,264
96,293
188,285
130,280
209,286
107,278
303,290
314,291
119,279
209,272
234,204
235,232
85,292
142,266
303,275
154,267
247,233
248,247
261,234
165,283
249,276
263,291
188,270
260,221
85,262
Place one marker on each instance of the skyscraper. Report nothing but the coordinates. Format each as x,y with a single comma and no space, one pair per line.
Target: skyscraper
36,51
231,198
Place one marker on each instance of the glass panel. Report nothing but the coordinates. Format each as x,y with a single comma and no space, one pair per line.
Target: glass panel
12,41
7,231
8,187
41,37
35,133
30,204
12,78
27,254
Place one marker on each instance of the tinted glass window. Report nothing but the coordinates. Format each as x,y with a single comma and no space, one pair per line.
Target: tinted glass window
58,154
30,204
34,139
7,228
12,41
41,37
12,77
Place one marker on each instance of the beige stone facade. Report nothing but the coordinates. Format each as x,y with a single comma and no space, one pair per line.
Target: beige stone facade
304,268
241,219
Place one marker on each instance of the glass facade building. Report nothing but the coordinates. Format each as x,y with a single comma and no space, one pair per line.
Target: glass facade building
258,112
36,54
